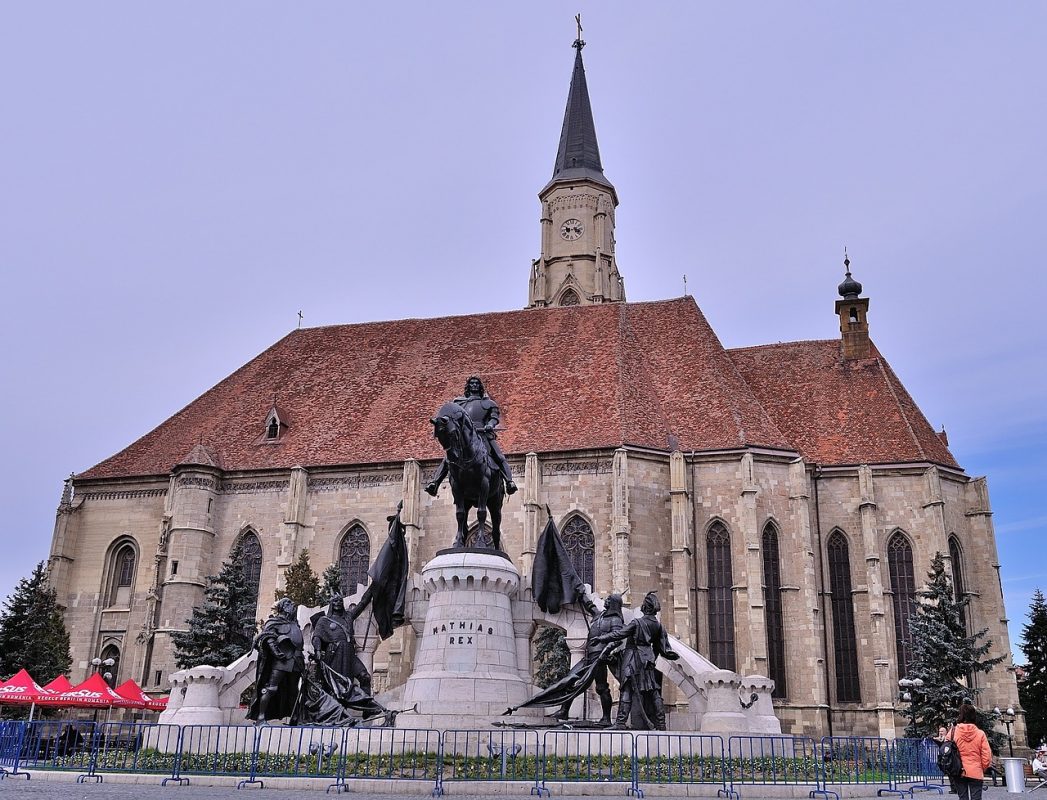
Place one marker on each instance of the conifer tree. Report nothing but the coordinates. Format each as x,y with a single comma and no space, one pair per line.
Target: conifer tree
330,582
32,631
943,656
1032,688
222,629
300,583
552,656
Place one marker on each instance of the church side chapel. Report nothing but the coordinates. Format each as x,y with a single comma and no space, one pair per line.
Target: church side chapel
783,502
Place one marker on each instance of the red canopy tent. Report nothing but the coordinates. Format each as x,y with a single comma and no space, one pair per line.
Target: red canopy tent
59,684
21,688
133,692
92,693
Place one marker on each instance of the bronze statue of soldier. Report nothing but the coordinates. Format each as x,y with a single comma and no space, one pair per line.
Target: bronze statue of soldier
485,415
606,622
280,665
334,643
645,639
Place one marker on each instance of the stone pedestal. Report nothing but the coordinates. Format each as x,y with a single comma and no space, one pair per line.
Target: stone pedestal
467,662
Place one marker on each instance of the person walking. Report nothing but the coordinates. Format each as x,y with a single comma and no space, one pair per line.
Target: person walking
974,751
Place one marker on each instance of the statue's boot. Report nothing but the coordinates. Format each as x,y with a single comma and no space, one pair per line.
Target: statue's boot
564,712
625,707
658,718
263,708
605,705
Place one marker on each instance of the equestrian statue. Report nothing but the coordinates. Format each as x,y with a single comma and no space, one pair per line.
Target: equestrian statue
480,476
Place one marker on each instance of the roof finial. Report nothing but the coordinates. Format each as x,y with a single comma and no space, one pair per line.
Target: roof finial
850,288
578,42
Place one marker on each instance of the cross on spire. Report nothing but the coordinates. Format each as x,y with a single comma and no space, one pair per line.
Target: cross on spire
578,42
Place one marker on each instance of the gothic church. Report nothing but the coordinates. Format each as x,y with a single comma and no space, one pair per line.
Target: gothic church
786,500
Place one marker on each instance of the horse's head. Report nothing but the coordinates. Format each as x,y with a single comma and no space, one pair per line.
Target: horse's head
448,424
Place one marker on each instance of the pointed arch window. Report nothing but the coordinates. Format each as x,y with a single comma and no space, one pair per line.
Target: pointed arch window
354,557
845,644
122,573
480,538
903,586
959,586
580,543
772,599
251,560
569,298
721,596
110,672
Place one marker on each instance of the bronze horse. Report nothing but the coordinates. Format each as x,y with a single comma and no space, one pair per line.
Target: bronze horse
475,479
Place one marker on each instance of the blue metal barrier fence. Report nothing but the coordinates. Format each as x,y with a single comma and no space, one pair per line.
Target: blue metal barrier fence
12,734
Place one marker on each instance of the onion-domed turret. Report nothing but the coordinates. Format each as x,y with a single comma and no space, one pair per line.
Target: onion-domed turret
850,288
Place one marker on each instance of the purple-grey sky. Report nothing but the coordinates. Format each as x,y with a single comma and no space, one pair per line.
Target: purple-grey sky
178,180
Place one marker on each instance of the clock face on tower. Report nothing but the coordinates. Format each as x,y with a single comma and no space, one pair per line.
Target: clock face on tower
572,229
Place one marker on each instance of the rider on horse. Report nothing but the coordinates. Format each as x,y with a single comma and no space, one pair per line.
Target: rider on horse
484,413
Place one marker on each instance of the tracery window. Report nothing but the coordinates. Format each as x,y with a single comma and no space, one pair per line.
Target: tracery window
580,543
903,585
122,576
845,644
772,599
569,298
251,561
721,596
480,537
354,557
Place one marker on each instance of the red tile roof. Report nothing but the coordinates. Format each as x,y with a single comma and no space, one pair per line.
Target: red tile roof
646,374
836,411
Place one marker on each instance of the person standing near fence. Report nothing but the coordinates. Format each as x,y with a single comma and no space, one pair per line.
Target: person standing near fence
974,751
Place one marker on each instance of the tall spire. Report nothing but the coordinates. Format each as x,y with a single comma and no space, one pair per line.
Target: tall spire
578,156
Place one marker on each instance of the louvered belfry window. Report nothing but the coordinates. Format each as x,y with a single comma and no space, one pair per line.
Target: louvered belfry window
721,597
903,585
251,553
845,645
772,604
354,557
580,543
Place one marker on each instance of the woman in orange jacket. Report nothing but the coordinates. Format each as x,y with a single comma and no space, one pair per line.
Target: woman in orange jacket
974,751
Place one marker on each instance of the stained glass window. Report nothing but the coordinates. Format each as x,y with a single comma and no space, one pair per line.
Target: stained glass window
251,553
903,585
721,597
772,599
123,573
958,584
354,557
845,645
580,543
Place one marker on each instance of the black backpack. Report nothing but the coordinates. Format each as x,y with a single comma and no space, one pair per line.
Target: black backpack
949,761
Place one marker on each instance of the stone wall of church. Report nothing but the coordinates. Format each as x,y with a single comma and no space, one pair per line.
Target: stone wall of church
651,517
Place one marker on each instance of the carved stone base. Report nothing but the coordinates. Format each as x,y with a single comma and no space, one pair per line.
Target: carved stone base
467,654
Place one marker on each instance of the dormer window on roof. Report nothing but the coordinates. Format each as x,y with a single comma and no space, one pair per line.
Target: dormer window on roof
275,425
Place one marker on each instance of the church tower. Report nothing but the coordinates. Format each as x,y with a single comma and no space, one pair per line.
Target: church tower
577,264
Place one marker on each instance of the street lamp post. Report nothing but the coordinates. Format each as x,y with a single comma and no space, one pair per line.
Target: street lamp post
907,688
1008,720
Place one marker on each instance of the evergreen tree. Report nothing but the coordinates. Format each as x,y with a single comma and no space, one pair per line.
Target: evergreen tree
943,656
1032,688
301,583
551,655
32,631
222,629
330,582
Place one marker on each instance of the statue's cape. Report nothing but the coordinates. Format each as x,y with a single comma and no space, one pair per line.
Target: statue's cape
554,580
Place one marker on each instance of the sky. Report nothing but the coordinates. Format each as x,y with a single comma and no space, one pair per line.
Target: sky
178,180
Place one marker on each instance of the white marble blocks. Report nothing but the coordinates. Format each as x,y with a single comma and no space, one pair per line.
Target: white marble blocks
467,662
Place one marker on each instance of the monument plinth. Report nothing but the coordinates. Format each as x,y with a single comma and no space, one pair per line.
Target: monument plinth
467,662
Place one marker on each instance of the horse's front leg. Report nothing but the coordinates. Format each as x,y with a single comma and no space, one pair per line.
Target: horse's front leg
461,513
496,522
481,502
